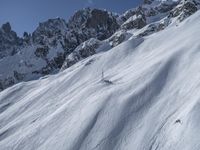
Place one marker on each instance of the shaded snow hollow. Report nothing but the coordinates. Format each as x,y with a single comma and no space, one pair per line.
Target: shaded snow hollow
153,103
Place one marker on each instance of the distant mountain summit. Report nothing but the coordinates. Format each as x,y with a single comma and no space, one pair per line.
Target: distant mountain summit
57,44
9,41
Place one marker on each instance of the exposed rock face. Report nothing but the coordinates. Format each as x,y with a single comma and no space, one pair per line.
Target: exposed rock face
103,23
118,38
151,12
93,46
154,27
132,12
27,38
146,14
52,29
137,21
148,1
9,41
6,27
18,76
127,15
93,23
184,9
166,6
42,51
84,50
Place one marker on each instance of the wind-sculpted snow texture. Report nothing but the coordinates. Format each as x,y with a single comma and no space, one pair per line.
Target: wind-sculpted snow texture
153,102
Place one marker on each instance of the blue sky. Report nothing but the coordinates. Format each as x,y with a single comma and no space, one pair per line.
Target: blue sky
24,15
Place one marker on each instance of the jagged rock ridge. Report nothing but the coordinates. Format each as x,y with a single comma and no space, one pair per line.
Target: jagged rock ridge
57,44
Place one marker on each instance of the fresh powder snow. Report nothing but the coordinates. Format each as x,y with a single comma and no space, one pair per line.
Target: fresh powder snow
153,102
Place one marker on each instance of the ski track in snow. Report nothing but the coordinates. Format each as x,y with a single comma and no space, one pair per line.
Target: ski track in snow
153,103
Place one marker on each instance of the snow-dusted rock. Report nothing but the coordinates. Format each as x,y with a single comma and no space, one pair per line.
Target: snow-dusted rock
84,50
119,37
52,28
9,41
137,21
154,27
93,23
185,9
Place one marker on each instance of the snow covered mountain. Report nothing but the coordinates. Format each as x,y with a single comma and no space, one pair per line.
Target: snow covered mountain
142,94
122,82
56,44
43,52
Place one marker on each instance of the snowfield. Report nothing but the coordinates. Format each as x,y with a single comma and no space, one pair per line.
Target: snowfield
152,101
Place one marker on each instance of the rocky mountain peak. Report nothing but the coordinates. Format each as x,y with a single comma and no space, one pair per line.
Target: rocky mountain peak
79,18
184,9
148,1
49,29
56,42
98,23
9,41
6,27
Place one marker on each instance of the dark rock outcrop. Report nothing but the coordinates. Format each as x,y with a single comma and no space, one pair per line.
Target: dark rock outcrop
51,29
84,50
42,51
137,21
9,41
185,9
94,23
148,1
118,38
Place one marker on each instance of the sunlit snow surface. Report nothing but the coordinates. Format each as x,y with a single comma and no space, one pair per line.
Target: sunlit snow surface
153,102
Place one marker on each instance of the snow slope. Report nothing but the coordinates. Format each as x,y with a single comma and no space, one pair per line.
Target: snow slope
153,102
